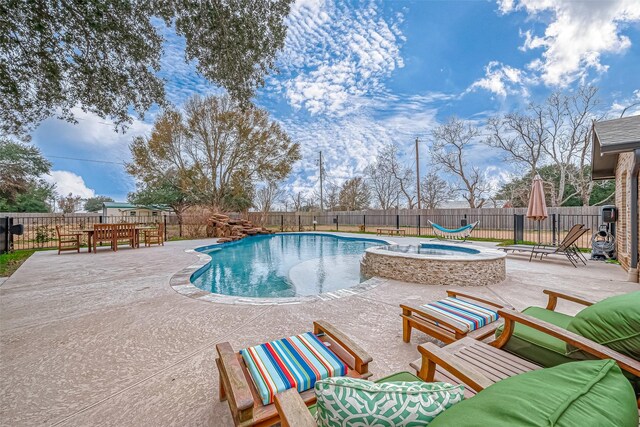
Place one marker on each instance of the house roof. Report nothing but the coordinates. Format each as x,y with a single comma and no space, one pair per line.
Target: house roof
129,206
610,138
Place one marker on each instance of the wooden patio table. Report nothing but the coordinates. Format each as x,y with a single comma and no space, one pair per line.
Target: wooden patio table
89,232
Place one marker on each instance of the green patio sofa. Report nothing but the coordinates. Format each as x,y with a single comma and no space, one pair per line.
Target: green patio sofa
502,389
586,393
613,322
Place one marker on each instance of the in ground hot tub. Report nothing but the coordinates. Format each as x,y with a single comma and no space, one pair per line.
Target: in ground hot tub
436,264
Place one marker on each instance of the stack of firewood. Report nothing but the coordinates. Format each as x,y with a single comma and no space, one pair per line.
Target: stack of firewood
228,229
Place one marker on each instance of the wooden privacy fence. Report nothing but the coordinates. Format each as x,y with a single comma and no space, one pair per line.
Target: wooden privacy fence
497,224
494,224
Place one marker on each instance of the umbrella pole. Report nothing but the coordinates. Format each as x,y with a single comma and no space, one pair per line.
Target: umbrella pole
539,226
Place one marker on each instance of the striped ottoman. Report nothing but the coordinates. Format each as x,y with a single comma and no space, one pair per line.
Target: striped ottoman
294,362
463,314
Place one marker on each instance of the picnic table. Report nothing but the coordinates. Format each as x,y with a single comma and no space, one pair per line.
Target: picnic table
90,231
390,231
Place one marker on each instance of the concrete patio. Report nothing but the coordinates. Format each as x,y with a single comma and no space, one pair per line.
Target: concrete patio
104,340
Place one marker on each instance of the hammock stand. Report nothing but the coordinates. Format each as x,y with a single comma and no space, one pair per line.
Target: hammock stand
453,234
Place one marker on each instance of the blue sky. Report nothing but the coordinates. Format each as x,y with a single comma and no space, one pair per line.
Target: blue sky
357,75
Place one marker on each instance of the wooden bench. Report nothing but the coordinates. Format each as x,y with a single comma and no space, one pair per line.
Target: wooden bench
390,231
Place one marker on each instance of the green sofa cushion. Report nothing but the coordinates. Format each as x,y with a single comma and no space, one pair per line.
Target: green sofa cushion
575,394
344,401
536,346
613,322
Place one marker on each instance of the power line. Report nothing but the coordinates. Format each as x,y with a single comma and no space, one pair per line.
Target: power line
86,160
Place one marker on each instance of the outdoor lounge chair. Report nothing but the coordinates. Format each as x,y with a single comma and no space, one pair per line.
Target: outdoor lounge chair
68,241
457,316
245,391
566,247
542,348
494,362
453,234
479,366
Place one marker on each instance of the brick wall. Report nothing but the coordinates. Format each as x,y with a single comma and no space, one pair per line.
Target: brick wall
623,199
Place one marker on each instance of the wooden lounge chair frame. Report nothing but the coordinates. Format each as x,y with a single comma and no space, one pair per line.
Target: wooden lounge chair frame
496,364
236,385
416,317
293,411
68,241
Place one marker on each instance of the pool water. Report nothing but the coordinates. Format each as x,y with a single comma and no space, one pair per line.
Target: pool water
432,249
283,265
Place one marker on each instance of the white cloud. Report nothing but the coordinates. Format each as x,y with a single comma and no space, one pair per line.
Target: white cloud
629,106
68,182
502,80
577,35
92,138
335,54
349,143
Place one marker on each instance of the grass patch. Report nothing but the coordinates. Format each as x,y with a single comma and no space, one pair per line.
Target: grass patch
10,262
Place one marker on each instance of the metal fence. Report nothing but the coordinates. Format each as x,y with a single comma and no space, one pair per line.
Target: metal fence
40,231
498,227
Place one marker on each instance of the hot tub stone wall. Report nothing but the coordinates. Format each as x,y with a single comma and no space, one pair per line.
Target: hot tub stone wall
434,271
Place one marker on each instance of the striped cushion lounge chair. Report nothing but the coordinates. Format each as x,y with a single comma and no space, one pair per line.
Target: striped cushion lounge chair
455,317
294,362
453,234
250,379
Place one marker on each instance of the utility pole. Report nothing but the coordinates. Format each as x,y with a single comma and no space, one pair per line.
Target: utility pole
321,196
418,173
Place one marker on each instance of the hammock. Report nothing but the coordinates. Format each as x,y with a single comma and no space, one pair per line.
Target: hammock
456,233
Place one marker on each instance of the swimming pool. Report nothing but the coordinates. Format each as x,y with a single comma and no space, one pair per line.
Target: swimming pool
432,249
283,265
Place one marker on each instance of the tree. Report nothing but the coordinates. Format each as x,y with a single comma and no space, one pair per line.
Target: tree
297,201
434,191
104,56
163,190
94,204
557,131
265,198
332,197
452,140
21,186
519,136
69,203
218,151
517,191
383,184
354,194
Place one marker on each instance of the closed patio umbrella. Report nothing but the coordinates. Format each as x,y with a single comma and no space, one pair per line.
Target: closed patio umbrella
537,209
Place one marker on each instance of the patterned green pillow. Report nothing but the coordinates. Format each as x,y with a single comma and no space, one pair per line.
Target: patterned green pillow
344,401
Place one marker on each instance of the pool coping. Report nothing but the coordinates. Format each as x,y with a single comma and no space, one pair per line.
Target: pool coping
181,281
482,253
